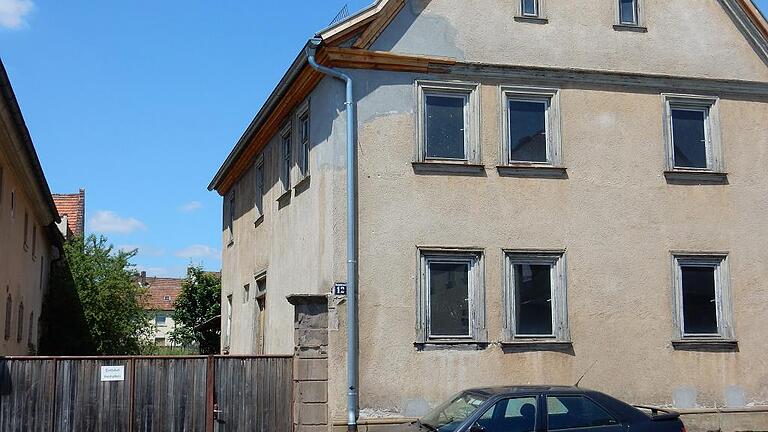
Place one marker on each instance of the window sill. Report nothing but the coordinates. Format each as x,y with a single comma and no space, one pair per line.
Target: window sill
706,344
231,243
302,185
258,221
531,19
461,345
524,345
695,177
449,168
532,171
630,28
284,199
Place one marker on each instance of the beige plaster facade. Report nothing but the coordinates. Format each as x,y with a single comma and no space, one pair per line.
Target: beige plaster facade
612,210
29,239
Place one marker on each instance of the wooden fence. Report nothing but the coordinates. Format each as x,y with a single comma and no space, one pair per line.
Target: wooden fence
146,394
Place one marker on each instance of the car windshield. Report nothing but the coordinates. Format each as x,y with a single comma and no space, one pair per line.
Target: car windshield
450,415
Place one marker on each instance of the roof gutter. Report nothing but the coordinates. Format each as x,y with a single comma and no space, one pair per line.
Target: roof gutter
353,393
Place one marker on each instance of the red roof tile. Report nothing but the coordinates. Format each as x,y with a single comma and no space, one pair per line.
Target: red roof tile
73,207
162,292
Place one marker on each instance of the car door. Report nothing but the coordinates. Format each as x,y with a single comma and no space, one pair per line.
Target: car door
511,414
578,413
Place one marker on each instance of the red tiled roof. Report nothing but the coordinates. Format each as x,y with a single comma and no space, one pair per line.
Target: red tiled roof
161,289
73,207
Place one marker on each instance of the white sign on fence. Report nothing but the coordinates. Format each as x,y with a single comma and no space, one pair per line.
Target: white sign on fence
113,373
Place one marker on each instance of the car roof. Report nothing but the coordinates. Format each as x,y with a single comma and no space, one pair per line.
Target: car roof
520,389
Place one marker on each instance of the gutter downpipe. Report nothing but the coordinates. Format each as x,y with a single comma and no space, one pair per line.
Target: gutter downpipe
353,393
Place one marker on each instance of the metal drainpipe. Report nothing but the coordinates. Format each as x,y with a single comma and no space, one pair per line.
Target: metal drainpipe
353,393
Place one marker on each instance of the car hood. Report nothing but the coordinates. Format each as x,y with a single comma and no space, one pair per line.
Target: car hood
406,427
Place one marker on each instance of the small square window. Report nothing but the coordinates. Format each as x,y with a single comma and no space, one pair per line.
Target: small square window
451,297
535,296
531,127
448,121
702,297
692,133
167,298
160,319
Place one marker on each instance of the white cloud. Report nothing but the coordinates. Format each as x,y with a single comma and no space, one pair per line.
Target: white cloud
12,13
198,251
105,221
190,206
143,250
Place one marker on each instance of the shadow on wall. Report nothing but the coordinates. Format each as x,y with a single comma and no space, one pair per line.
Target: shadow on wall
63,328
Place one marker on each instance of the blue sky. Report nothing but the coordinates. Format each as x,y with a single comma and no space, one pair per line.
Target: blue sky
140,101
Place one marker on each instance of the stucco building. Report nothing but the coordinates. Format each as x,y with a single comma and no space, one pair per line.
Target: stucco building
543,186
162,295
29,238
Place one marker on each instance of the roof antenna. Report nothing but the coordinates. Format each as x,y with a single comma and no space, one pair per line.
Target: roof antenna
343,13
585,373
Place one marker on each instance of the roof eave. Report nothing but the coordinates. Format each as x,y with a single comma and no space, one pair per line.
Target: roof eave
9,98
273,99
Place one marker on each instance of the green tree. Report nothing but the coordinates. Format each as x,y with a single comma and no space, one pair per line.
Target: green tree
199,301
111,299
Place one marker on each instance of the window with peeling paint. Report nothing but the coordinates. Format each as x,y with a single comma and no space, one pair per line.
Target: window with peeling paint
692,131
445,126
702,294
535,293
451,297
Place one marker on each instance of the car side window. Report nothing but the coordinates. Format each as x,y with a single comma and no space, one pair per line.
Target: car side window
510,415
571,412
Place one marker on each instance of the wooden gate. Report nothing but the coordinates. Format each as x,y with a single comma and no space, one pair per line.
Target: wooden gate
146,394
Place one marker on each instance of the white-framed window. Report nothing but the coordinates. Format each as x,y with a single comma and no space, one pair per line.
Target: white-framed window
261,312
628,12
167,298
692,133
228,323
286,156
246,293
451,296
448,122
230,219
535,296
531,125
702,294
530,8
303,122
160,319
259,187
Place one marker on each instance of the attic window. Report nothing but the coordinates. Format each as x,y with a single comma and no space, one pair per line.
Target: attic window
167,298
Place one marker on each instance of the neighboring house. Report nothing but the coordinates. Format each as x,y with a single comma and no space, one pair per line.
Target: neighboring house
71,209
162,295
29,239
544,186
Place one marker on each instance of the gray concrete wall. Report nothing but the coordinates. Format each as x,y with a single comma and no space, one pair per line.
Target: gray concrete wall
21,275
294,243
684,37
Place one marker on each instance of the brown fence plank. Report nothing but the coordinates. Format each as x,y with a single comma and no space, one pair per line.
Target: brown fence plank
170,395
25,392
85,403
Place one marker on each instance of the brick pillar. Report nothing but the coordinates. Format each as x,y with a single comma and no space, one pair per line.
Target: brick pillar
310,406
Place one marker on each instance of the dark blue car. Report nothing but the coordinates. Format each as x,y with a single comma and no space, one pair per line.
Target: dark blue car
541,409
